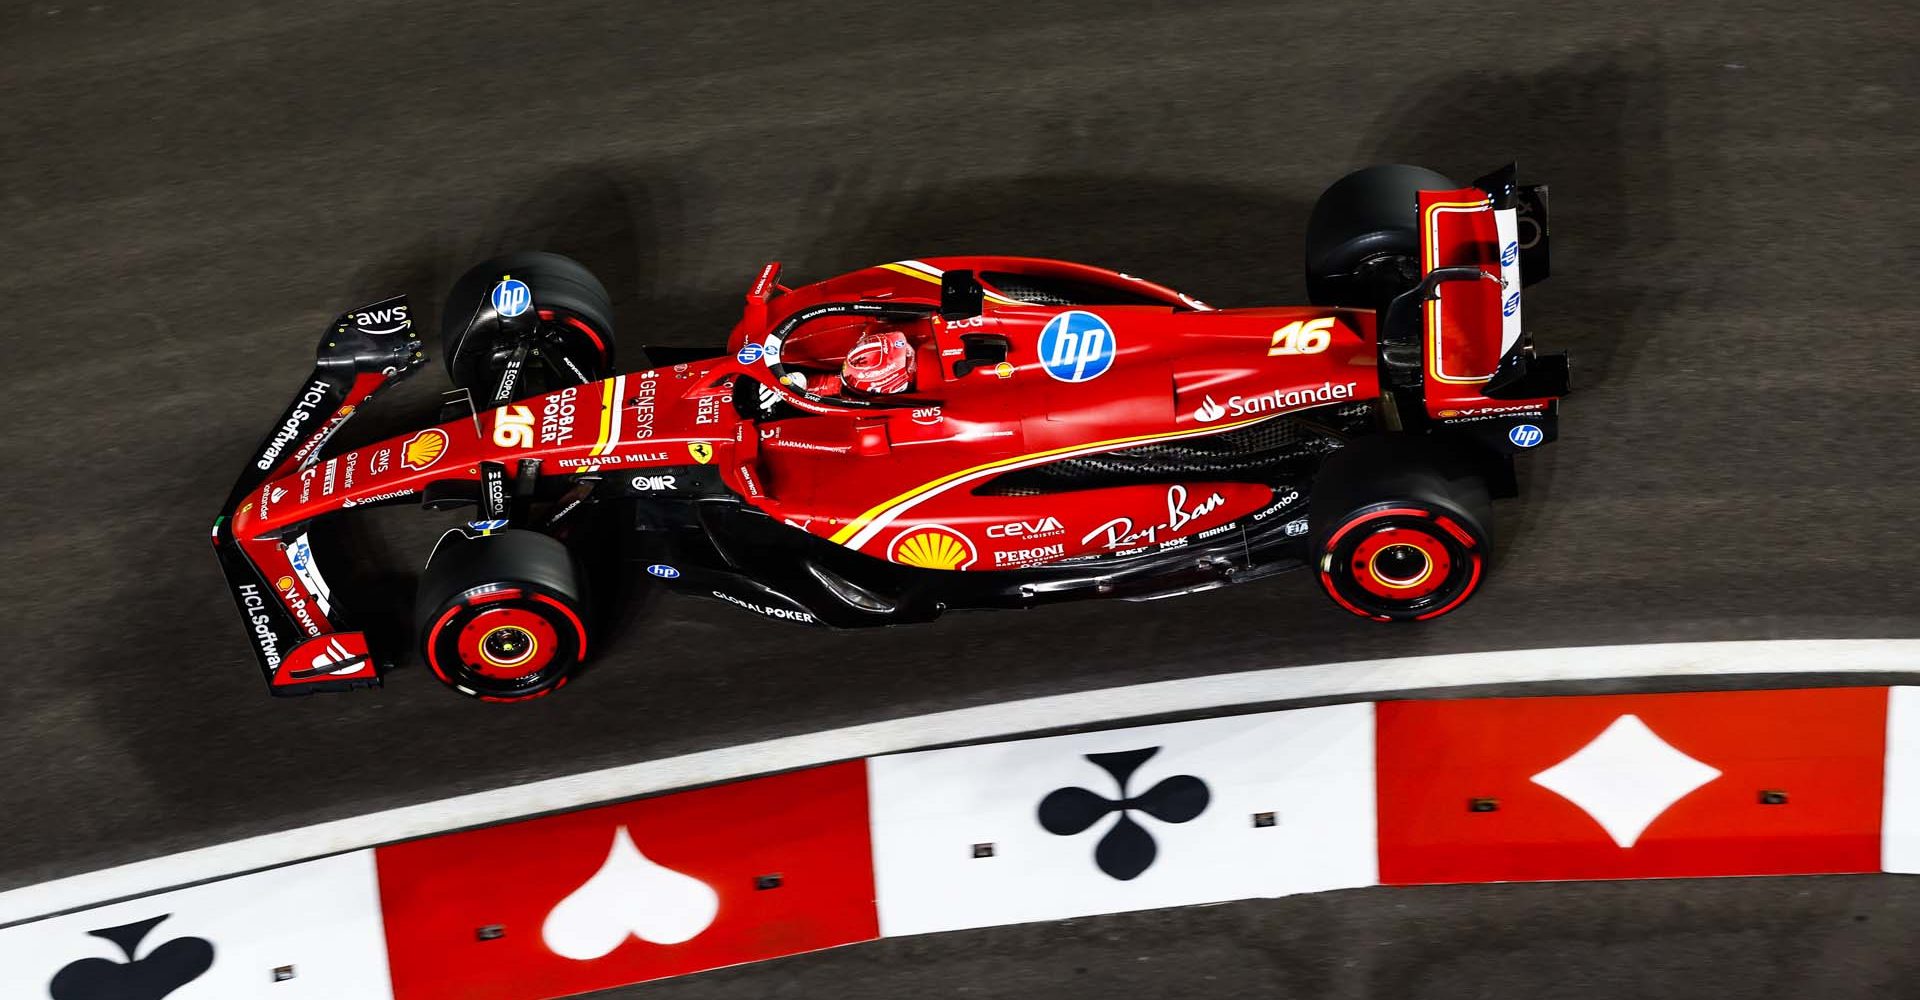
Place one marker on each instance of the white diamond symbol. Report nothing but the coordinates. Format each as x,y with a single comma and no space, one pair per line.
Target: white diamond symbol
1626,778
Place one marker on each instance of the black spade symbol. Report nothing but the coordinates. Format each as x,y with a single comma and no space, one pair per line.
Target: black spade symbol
165,969
1127,849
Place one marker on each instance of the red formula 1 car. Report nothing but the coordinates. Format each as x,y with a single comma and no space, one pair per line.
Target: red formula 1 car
926,435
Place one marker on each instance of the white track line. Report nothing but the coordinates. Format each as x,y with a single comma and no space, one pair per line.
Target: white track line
985,722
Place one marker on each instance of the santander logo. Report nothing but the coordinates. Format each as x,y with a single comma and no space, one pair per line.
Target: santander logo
1273,401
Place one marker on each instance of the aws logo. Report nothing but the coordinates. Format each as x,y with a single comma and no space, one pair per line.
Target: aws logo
932,546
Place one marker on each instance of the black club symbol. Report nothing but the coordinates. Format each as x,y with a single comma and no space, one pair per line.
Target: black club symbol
1127,849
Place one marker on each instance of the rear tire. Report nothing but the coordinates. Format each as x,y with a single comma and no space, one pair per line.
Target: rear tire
1401,531
576,317
502,617
1363,242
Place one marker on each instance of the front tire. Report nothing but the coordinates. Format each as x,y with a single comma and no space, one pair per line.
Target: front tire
1400,533
502,617
574,335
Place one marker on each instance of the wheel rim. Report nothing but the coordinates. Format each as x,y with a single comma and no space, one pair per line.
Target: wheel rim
1401,563
507,643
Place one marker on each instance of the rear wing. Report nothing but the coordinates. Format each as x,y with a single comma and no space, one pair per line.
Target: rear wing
1477,367
285,602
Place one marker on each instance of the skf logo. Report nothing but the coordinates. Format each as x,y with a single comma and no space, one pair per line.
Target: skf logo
932,546
423,449
701,451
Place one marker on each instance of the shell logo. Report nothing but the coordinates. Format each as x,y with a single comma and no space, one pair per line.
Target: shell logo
932,546
285,584
423,449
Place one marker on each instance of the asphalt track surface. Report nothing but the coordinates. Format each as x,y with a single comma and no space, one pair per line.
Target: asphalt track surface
190,190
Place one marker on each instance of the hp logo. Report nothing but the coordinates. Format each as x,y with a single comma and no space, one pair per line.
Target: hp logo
1076,346
1510,254
664,571
749,353
512,297
1526,435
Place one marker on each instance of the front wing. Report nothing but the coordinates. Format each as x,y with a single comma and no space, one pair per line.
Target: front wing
287,607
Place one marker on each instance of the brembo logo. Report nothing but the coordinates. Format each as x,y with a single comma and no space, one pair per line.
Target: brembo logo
289,431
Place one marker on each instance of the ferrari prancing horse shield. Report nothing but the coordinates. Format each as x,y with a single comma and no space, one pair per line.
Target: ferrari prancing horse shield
701,451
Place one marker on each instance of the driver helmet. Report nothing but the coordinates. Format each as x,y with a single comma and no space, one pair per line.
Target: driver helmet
880,362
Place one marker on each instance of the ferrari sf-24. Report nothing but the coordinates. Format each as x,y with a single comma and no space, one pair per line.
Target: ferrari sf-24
930,435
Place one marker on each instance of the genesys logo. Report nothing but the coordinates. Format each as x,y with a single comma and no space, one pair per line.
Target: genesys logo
1276,401
1026,529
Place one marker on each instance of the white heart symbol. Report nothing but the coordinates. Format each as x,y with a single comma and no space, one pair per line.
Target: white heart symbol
630,894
